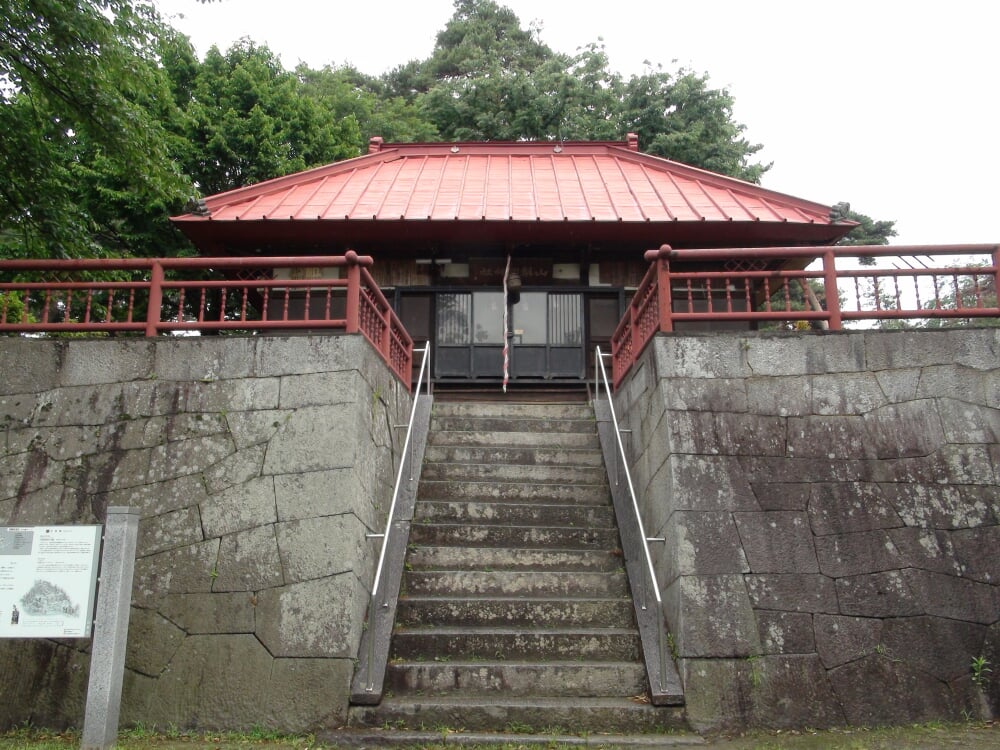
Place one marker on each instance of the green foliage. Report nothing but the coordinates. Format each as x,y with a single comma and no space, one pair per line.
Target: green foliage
868,232
247,121
82,141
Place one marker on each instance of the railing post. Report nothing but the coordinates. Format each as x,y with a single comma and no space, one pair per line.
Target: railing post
353,291
664,291
155,298
831,290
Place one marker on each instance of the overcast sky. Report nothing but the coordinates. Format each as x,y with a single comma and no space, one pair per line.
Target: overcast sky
890,106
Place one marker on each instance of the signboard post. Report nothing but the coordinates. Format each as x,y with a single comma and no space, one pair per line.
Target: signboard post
107,657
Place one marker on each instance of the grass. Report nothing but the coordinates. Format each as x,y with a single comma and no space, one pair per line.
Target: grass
931,736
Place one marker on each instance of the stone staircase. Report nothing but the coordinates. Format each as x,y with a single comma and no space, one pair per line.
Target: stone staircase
515,612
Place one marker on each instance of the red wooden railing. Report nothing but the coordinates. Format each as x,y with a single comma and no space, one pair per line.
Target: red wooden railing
744,290
136,295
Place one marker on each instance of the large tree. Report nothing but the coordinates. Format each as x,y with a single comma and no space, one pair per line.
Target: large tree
83,146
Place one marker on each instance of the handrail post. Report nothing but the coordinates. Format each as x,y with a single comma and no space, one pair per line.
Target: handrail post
353,292
831,290
155,301
663,291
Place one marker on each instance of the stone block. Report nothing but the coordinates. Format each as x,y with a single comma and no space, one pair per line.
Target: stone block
843,555
791,592
174,529
846,394
905,695
214,681
846,507
188,456
211,613
936,506
840,639
975,550
952,464
315,438
898,385
243,466
161,497
785,632
833,438
790,691
319,493
704,543
927,549
969,423
780,396
305,695
717,694
782,495
714,618
296,355
954,381
82,405
701,394
888,594
248,561
152,642
903,430
770,354
777,541
179,571
241,507
320,547
955,598
726,434
52,504
977,348
320,389
940,647
100,361
710,483
248,394
38,366
51,680
812,469
205,358
253,428
319,618
701,356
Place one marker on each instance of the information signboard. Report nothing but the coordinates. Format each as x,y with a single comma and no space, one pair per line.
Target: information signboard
48,580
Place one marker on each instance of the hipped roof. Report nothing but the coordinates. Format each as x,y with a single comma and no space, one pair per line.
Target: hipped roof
523,191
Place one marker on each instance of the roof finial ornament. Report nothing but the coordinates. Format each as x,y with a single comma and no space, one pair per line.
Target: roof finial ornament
375,144
632,141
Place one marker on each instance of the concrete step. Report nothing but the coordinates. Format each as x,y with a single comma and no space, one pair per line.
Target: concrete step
519,644
516,514
515,492
513,455
529,713
583,584
496,535
510,558
556,678
570,475
414,611
506,439
513,410
539,424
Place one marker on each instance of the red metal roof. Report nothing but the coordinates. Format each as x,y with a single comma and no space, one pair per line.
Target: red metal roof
593,182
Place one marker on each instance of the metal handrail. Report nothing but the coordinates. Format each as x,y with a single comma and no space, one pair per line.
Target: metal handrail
407,447
599,370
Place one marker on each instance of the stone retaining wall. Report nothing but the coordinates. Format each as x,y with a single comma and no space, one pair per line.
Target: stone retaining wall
830,504
259,464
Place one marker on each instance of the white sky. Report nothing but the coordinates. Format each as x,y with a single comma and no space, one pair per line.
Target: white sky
890,106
